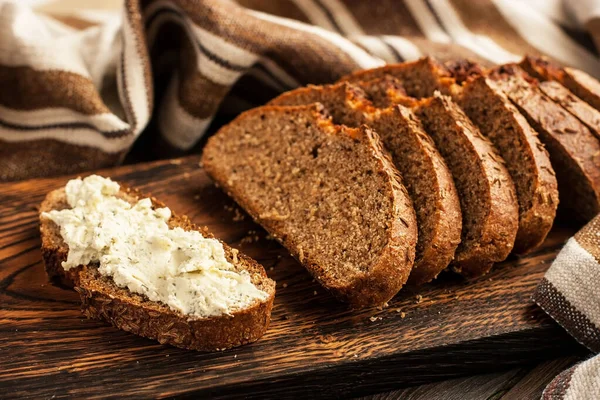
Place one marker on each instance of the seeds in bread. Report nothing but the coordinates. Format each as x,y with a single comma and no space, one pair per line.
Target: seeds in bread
485,189
526,159
427,178
103,299
328,193
572,146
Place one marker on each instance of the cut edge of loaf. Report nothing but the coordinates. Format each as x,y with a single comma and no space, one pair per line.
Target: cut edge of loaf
388,274
102,299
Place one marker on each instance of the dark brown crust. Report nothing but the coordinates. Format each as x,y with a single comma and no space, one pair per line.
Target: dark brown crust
387,276
572,146
464,70
498,230
348,106
537,215
419,78
102,299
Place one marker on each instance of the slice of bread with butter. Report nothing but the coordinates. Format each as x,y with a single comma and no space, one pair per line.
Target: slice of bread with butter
150,272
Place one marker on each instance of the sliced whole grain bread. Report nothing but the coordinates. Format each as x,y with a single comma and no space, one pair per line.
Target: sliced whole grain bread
517,143
578,82
485,189
526,158
419,78
328,193
103,299
427,178
574,150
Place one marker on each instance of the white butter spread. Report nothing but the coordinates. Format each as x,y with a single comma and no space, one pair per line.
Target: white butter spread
135,247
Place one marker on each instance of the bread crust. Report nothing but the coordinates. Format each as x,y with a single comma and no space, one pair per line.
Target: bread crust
419,78
389,272
102,299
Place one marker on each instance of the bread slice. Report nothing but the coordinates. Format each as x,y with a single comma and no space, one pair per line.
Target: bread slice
526,158
574,150
485,189
328,193
103,299
423,169
419,78
578,82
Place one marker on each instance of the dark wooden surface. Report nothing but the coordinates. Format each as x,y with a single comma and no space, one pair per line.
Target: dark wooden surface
522,383
315,345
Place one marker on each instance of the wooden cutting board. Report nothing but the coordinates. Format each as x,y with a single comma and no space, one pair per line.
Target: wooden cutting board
315,345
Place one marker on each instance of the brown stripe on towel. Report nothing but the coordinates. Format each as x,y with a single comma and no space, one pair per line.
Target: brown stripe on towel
555,304
24,88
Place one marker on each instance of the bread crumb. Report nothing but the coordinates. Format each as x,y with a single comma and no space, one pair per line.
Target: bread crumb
419,298
235,255
285,285
402,314
456,297
315,293
271,268
197,197
238,215
176,161
373,319
490,279
187,175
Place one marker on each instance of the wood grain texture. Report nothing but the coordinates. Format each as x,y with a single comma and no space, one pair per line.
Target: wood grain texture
315,345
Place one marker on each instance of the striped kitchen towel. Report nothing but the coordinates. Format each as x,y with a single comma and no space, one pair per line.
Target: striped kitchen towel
77,87
569,294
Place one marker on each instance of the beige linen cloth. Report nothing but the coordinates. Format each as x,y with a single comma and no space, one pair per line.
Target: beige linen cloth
81,82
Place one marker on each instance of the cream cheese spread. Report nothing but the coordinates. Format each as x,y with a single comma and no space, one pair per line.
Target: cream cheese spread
135,247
